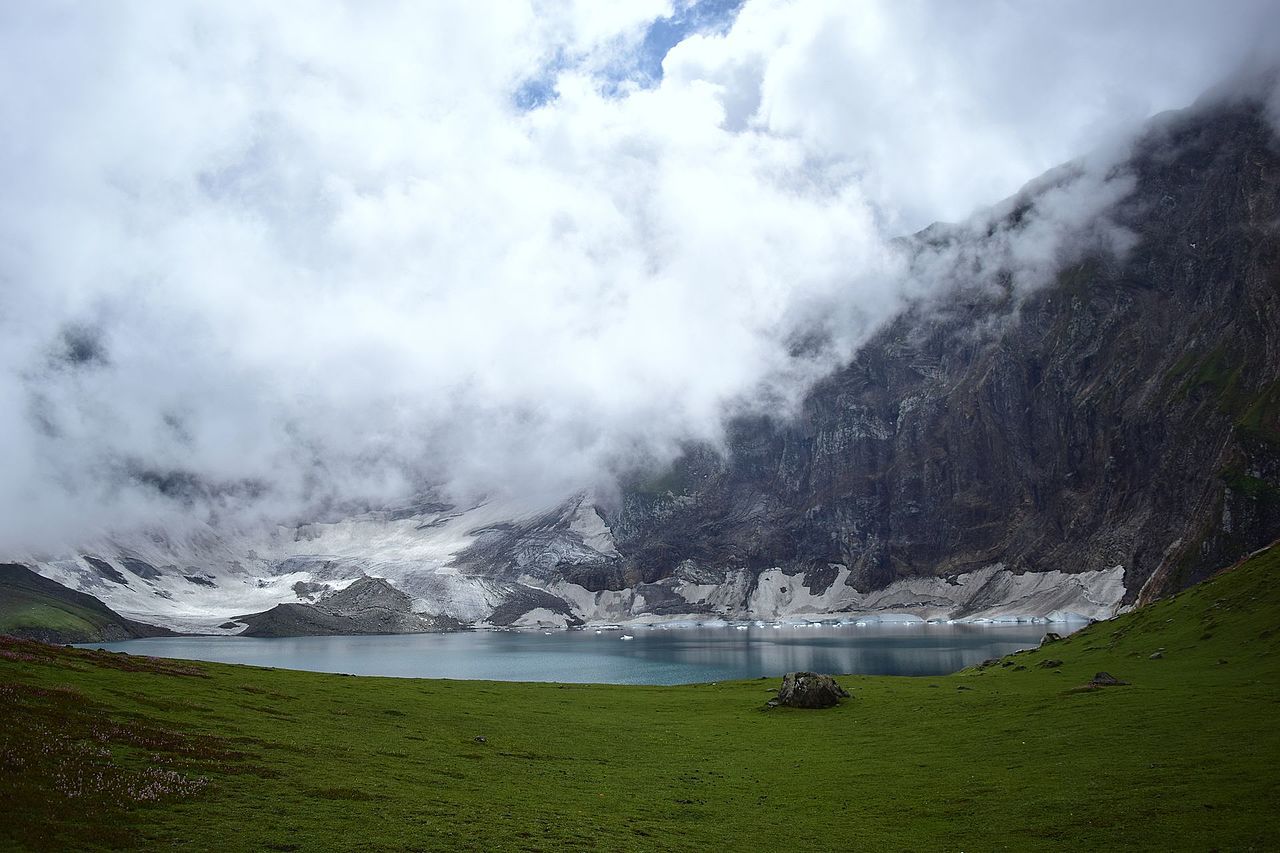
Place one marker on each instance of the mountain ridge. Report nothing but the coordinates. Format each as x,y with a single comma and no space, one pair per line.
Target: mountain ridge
950,455
36,608
997,451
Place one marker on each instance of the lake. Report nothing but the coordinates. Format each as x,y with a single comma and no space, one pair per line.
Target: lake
653,656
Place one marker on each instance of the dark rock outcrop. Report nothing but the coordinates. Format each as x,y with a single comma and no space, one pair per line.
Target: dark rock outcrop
519,599
1106,679
308,590
808,690
141,568
545,547
1126,413
106,570
367,606
368,594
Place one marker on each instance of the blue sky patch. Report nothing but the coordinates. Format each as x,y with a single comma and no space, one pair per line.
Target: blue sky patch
643,65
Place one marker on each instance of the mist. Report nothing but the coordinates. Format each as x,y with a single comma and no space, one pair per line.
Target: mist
259,260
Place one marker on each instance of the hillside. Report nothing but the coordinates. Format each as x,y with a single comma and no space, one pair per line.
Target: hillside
107,750
40,609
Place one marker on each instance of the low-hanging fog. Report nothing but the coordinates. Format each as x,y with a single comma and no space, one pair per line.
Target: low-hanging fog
259,258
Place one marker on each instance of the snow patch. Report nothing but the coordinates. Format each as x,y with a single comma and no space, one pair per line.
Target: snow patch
541,617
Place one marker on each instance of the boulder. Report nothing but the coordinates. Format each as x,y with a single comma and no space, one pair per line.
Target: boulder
808,690
1106,679
1050,637
1050,663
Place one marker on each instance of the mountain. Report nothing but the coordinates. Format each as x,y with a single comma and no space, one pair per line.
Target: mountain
1127,415
1002,449
1028,752
367,606
36,608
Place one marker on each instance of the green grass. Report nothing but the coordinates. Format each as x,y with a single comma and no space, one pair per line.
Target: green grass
1220,376
1251,487
1217,375
1261,420
1010,756
20,609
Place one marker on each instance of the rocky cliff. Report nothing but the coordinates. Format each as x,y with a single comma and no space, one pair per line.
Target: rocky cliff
1126,414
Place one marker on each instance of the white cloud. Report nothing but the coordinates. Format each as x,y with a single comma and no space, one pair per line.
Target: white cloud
327,256
939,106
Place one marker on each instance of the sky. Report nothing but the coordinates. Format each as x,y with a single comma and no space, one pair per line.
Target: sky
258,259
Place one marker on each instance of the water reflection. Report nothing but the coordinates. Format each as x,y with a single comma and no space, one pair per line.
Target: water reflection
675,656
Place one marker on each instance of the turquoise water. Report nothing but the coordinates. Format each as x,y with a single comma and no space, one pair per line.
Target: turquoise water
653,656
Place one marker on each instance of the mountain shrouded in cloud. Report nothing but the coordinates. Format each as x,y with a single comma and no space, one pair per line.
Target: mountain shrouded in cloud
255,259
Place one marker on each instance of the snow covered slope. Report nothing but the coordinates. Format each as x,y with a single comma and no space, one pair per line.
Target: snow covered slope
513,563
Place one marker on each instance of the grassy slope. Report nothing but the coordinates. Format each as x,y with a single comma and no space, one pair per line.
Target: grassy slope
20,611
39,608
992,758
32,612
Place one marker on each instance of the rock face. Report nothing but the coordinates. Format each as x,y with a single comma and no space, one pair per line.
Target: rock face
367,606
1126,414
808,690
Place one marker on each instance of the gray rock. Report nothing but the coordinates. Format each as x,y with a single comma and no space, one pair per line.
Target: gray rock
367,606
1050,663
1156,655
1053,427
308,589
105,569
1106,679
808,690
141,568
1050,637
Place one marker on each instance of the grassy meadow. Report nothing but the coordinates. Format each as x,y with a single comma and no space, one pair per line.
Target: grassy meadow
103,750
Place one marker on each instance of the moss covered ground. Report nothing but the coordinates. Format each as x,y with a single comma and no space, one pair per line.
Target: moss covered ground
103,750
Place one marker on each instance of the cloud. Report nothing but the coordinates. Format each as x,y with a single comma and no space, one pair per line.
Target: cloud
260,258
